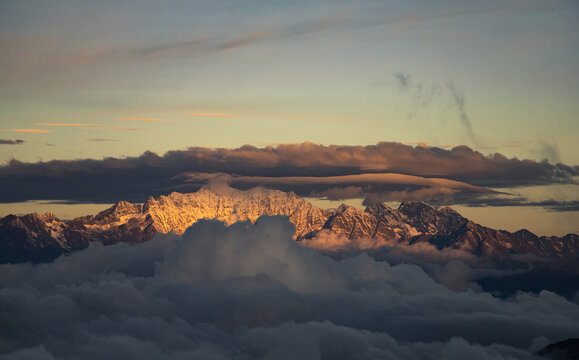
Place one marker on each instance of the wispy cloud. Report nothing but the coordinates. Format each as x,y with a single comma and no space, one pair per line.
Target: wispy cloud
210,44
416,17
67,124
219,115
99,139
459,100
115,128
146,120
11,142
506,200
403,79
30,130
423,95
91,126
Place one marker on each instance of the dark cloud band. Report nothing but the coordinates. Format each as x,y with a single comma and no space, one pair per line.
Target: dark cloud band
11,142
136,178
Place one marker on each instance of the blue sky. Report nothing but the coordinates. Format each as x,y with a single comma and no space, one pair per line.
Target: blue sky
289,72
91,79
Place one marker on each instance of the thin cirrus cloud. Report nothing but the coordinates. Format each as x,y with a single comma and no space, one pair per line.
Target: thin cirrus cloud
118,128
33,131
215,115
99,139
90,126
146,120
417,17
67,124
209,44
424,16
381,172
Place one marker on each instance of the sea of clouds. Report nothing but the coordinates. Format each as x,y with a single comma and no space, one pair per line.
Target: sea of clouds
249,291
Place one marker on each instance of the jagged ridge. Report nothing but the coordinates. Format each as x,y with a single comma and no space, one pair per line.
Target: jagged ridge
36,237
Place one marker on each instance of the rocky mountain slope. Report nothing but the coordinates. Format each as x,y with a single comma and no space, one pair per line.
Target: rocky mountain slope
41,238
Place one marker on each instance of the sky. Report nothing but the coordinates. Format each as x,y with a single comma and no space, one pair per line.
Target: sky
143,82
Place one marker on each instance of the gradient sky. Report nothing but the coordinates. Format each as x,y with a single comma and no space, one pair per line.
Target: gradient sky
91,79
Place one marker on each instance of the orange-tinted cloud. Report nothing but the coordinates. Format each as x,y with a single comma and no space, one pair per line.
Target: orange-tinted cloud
357,179
67,124
119,128
374,188
423,144
99,139
30,130
419,144
205,45
146,120
219,115
91,126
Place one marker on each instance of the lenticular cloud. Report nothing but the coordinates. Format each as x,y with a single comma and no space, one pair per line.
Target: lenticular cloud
387,171
249,291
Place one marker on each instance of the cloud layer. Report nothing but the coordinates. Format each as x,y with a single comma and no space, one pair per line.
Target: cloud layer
373,187
249,291
430,172
11,142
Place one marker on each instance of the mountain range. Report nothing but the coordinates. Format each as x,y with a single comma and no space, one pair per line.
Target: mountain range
42,238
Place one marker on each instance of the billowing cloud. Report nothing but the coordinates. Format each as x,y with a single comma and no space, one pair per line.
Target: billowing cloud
549,152
11,142
454,268
249,291
318,167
